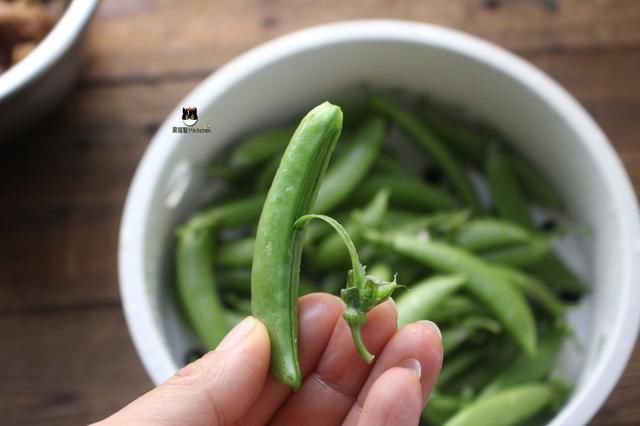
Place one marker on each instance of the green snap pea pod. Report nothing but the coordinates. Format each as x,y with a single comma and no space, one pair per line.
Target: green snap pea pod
456,307
196,287
260,147
278,246
237,253
505,408
553,270
534,183
352,166
499,295
525,368
237,280
363,292
534,290
434,147
484,234
521,255
506,194
440,408
455,366
406,192
422,299
453,337
231,214
332,253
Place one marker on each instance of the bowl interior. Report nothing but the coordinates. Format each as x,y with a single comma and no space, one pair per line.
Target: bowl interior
271,84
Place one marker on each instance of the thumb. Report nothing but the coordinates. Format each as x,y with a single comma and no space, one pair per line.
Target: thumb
217,389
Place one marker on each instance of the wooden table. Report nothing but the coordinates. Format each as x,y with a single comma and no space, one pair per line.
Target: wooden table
66,356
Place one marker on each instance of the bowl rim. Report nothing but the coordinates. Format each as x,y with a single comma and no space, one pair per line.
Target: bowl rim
50,49
140,320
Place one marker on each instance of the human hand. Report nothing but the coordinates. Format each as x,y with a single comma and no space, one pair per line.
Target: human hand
231,384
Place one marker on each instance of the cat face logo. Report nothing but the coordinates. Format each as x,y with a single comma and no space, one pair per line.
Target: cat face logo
190,116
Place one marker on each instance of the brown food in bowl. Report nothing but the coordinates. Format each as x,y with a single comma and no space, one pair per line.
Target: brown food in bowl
23,23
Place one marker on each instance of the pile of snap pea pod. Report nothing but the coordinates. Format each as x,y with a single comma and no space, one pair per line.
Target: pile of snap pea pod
481,266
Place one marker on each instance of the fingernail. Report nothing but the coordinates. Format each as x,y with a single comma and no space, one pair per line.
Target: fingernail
238,334
413,365
432,325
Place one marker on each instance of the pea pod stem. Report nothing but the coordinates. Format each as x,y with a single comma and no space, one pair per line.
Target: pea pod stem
278,247
362,292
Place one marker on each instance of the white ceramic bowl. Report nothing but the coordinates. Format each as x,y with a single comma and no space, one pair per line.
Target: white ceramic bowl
295,72
30,88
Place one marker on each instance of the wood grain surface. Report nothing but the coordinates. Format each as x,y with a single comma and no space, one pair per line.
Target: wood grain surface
66,356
